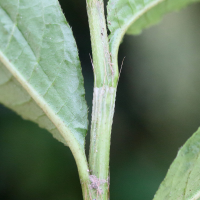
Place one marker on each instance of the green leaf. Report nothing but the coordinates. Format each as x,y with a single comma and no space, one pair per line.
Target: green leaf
40,73
183,178
132,16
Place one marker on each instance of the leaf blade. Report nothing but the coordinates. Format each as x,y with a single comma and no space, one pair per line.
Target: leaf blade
38,48
182,180
156,14
132,16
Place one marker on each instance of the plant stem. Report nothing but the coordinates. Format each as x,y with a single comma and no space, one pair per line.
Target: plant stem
102,117
106,78
104,73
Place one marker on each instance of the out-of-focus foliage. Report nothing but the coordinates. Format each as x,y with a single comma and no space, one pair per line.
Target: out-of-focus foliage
157,109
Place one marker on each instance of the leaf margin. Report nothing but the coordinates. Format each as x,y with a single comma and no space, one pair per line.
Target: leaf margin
189,150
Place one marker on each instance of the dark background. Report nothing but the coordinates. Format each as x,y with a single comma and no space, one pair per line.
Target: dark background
157,109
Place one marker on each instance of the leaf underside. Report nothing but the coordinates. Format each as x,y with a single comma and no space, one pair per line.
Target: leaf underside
132,16
40,73
182,181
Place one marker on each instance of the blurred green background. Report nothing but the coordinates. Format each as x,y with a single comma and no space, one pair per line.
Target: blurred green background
157,109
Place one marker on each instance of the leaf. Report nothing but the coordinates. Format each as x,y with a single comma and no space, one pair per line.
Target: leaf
40,73
182,181
132,16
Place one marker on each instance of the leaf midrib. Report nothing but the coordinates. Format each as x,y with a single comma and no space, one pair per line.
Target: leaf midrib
36,57
196,196
39,100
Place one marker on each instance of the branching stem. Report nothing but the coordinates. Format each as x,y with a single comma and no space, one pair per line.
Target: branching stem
106,79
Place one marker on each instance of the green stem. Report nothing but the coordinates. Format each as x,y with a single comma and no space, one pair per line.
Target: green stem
106,78
104,72
102,117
